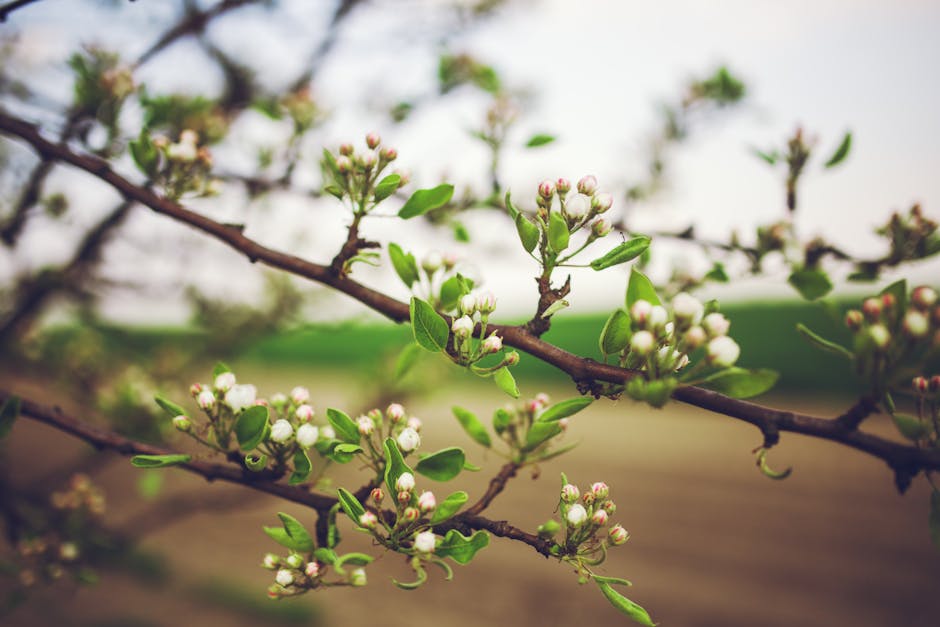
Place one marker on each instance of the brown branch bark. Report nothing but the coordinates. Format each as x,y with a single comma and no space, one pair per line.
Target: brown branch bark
10,7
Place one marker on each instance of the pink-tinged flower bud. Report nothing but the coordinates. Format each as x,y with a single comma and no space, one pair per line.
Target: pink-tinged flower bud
425,541
312,569
368,520
576,207
377,495
427,502
388,154
367,160
404,497
601,227
486,303
224,381
880,336
284,577
182,423
588,498
462,327
365,425
889,301
872,307
935,383
195,389
602,202
716,325
920,385
916,324
546,189
642,343
563,424
492,344
542,399
687,308
304,413
373,140
695,337
600,490
241,396
431,262
410,514
294,560
357,578
576,515
618,535
376,415
206,400
344,164
271,561
570,493
405,482
449,260
281,431
609,506
408,440
404,176
278,400
414,423
923,297
599,517
274,591
328,432
395,412
722,351
640,312
511,359
467,305
587,185
307,435
346,149
658,317
300,395
854,319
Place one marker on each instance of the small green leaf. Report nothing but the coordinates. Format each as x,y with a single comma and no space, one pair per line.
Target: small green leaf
172,409
564,409
528,233
625,605
292,535
505,381
252,427
539,139
769,157
386,187
909,426
740,382
350,505
472,425
343,452
765,468
353,559
841,152
395,465
810,283
330,161
346,429
425,200
614,581
558,233
934,518
302,468
429,328
501,420
404,263
539,433
406,360
220,368
420,573
334,190
451,291
623,253
822,343
448,507
459,547
461,234
616,333
555,307
442,465
8,415
159,461
324,555
256,462
717,273
513,212
640,288
145,153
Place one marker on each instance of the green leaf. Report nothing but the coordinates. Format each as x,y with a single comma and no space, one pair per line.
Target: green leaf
346,429
513,212
353,559
539,139
334,190
255,462
220,368
292,535
395,465
616,333
765,468
461,234
934,518
449,506
406,360
555,307
325,555
159,461
404,263
841,152
350,505
810,283
717,273
330,161
505,381
172,409
8,414
145,154
332,536
614,581
898,289
386,187
640,288
740,382
564,409
429,328
459,547
451,291
769,157
302,468
425,200
539,433
623,253
558,233
343,452
625,605
442,465
472,425
501,420
822,343
528,232
909,426
252,427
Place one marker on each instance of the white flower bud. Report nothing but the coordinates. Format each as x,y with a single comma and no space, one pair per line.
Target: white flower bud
182,423
576,515
294,560
189,136
600,490
426,501
618,535
486,303
410,514
923,297
570,493
599,517
695,337
588,185
304,413
492,344
640,312
576,207
395,412
344,164
278,399
880,336
602,202
723,351
271,561
658,317
300,395
367,160
241,396
284,577
414,423
408,440
206,399
467,304
425,541
307,435
642,343
916,324
224,381
716,325
431,262
328,432
405,482
184,152
687,308
358,577
368,520
312,569
601,227
365,425
281,431
462,327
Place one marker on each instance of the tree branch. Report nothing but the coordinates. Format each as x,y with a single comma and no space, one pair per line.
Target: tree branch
10,7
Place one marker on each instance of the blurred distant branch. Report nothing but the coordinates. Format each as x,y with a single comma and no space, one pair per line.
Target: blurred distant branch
10,7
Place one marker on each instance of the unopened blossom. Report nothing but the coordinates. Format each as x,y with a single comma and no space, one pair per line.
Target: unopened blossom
304,413
425,541
640,312
492,344
618,535
271,561
599,517
715,324
880,336
723,351
182,423
206,399
328,432
486,303
284,577
923,297
405,482
300,395
358,577
563,185
546,189
576,207
916,324
281,431
642,343
312,569
431,262
388,154
695,337
576,515
367,160
600,490
602,202
601,227
239,397
854,319
307,435
414,423
426,501
872,307
467,304
373,140
368,520
408,440
395,412
278,399
377,495
462,327
411,514
588,185
195,389
224,381
687,308
365,425
920,384
658,317
294,560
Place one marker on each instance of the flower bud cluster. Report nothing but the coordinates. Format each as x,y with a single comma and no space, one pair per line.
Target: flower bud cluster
883,326
183,166
578,209
473,311
514,422
357,174
586,514
297,573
